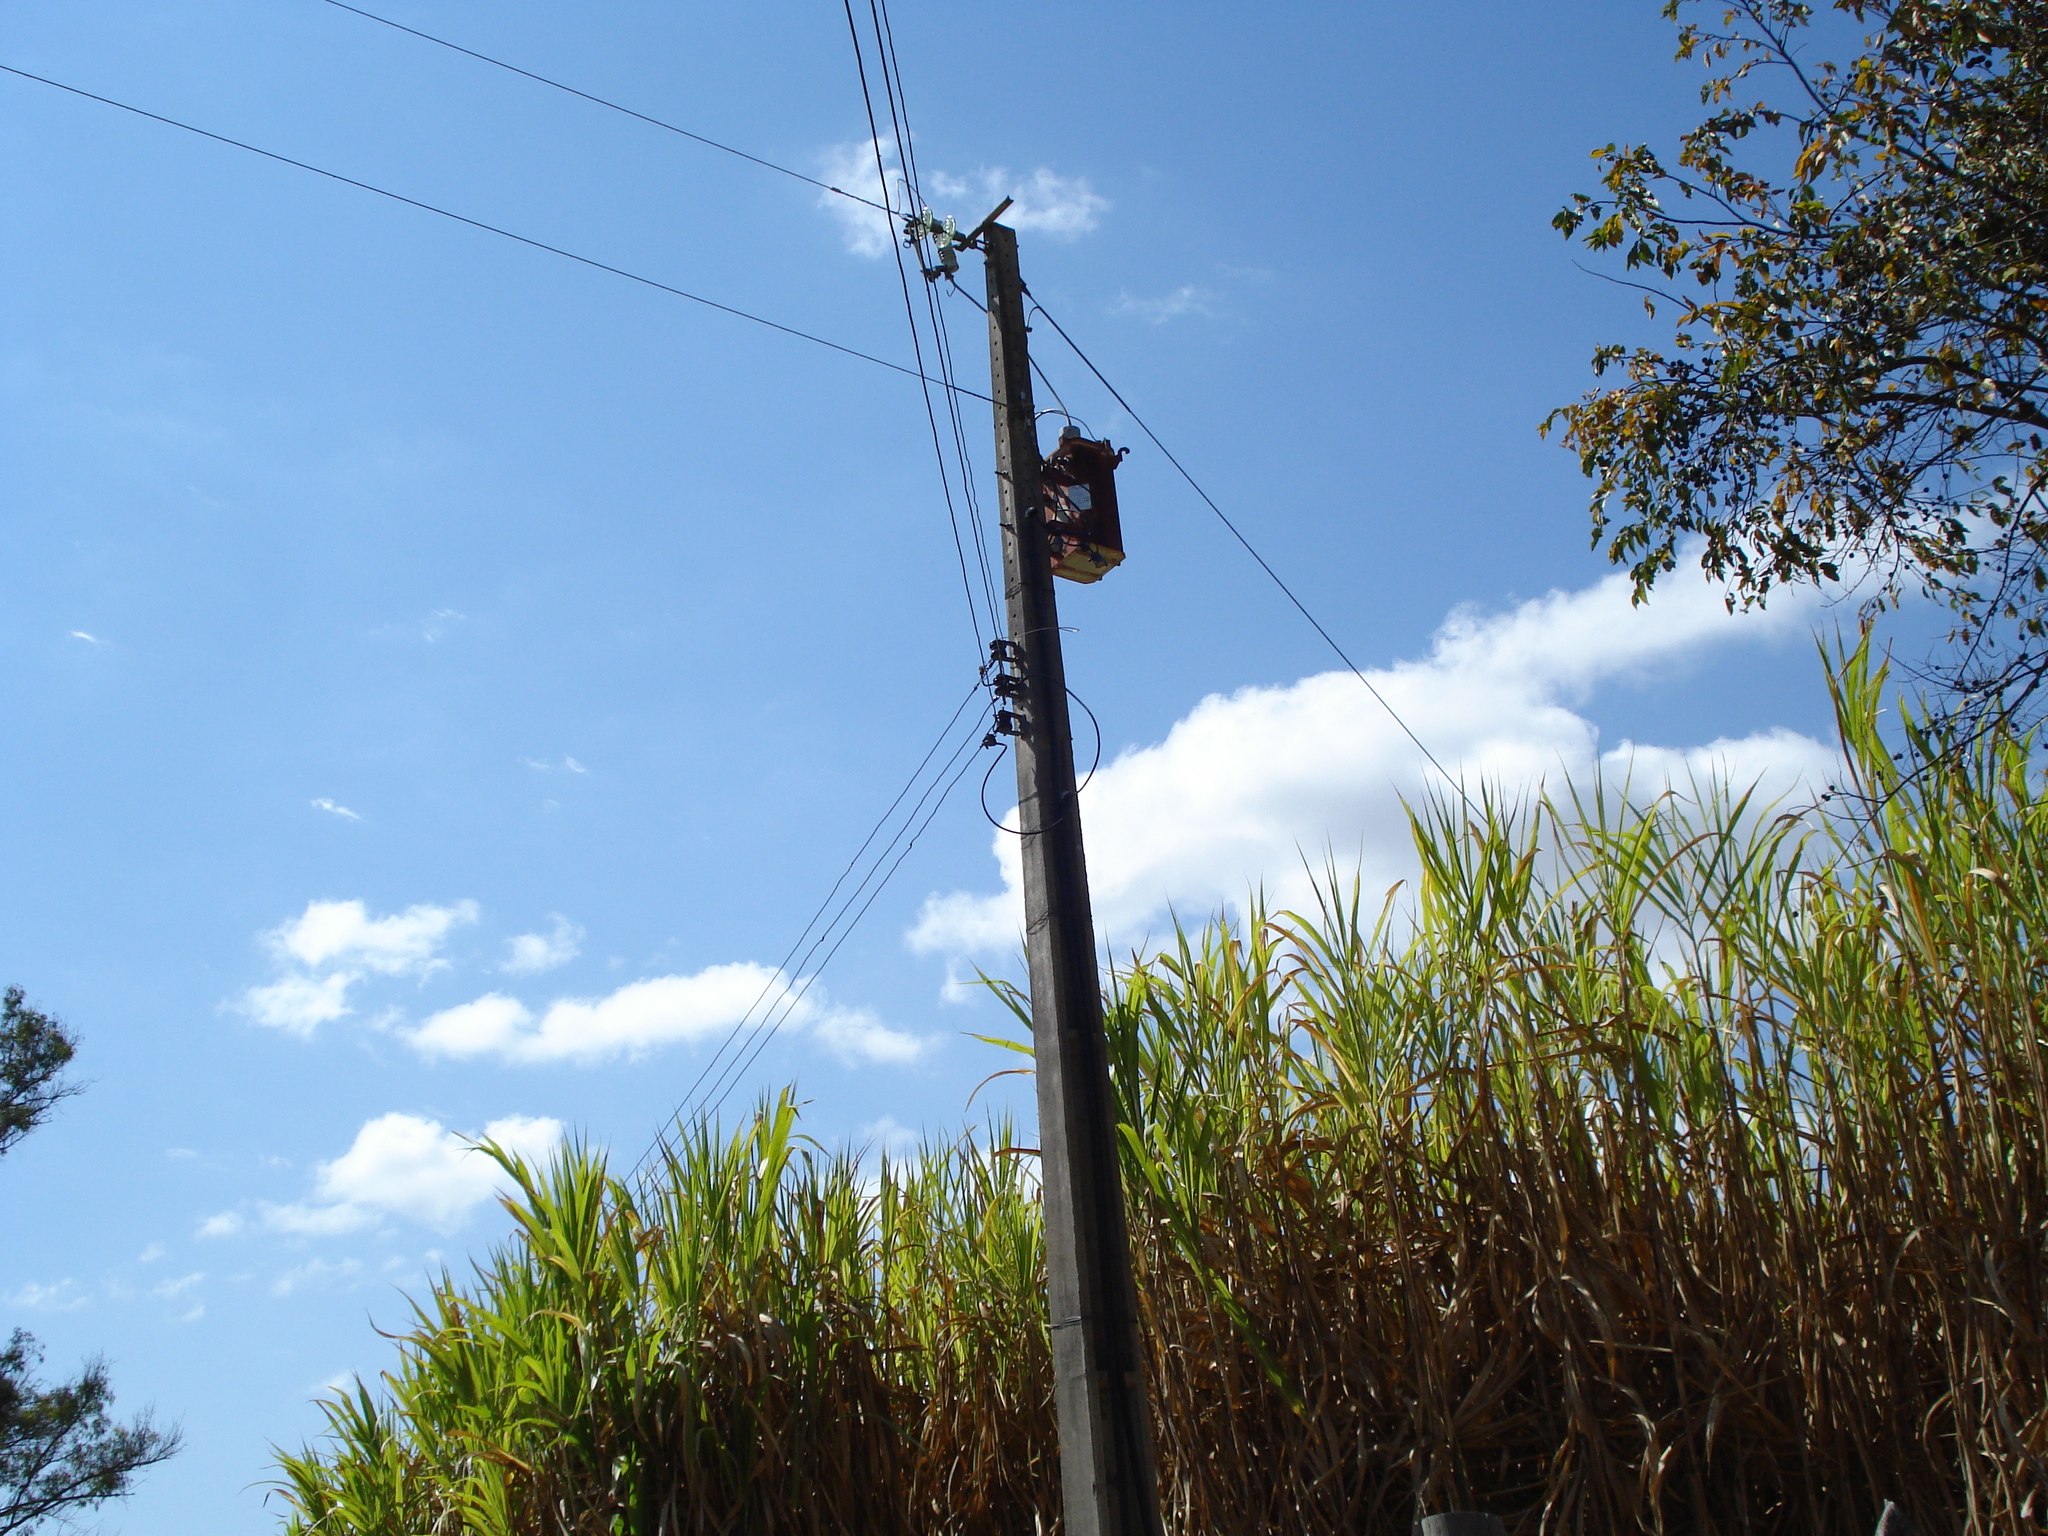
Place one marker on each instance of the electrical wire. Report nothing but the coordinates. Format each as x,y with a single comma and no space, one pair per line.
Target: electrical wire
1238,534
964,458
716,1062
705,1097
484,58
712,1100
891,68
1086,779
916,339
897,99
492,229
900,128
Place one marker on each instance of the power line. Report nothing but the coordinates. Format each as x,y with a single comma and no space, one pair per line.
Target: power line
484,58
853,862
1236,533
899,116
916,339
492,229
937,798
963,457
798,955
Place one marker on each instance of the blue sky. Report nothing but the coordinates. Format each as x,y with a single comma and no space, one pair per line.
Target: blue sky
441,679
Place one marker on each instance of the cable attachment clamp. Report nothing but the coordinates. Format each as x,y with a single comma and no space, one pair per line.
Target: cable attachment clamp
1007,724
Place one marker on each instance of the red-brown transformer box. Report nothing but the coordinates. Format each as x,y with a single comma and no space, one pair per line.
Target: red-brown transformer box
1081,523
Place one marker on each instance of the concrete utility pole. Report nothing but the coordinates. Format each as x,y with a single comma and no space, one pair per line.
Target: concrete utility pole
1109,1483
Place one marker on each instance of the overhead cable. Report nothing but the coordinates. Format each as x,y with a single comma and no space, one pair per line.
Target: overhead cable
813,937
899,115
935,797
916,338
493,229
655,122
1238,534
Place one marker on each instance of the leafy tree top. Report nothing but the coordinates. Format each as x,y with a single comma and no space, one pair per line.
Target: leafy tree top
34,1051
1855,389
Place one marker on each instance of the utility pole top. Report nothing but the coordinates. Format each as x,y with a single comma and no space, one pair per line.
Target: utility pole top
946,238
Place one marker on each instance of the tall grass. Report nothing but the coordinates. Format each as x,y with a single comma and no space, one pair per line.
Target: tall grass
1674,1168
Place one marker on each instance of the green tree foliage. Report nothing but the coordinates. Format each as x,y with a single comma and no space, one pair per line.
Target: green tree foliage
34,1051
60,1452
1859,271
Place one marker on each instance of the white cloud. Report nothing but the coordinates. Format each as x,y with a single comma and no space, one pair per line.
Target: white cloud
343,933
332,809
531,953
405,1166
661,1011
169,1289
1249,788
342,940
1065,207
1047,203
1184,300
79,634
856,1035
851,168
224,1224
299,1003
150,1254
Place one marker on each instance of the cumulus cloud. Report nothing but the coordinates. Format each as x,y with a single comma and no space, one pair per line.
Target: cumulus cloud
1047,203
528,954
408,1167
344,933
856,1035
1249,787
661,1011
299,1003
332,945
